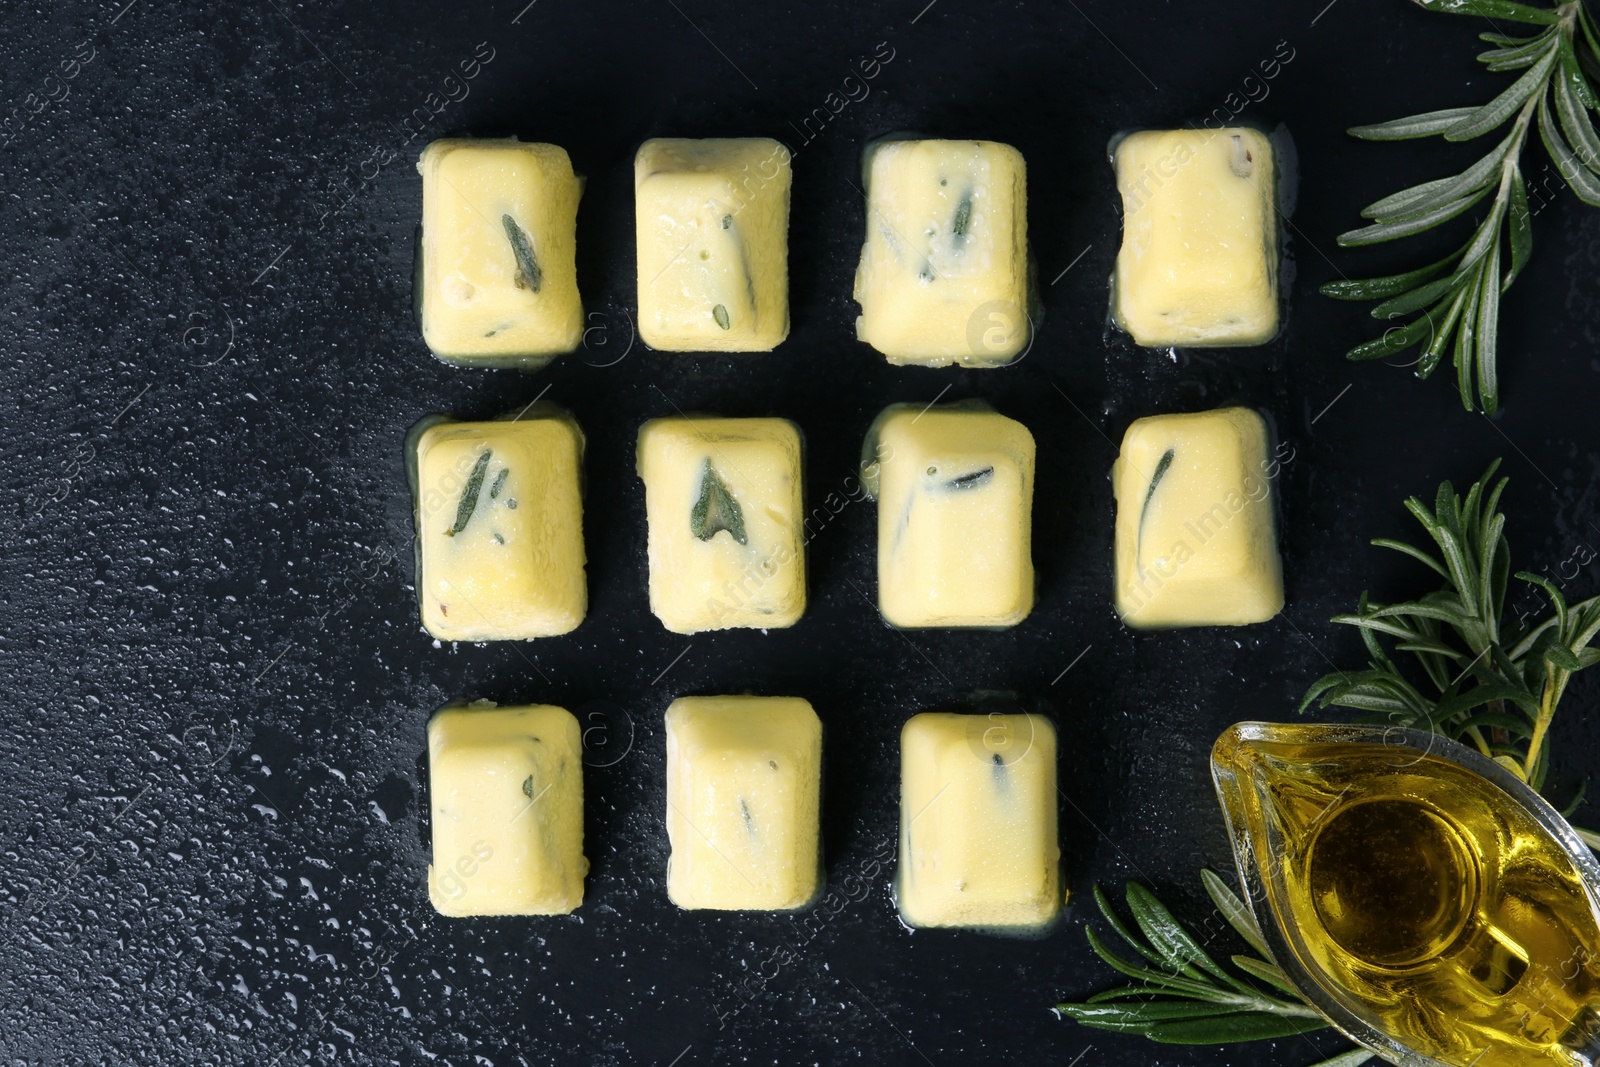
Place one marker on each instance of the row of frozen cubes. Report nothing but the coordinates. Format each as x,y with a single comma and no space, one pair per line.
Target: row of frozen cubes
500,545
978,838
945,274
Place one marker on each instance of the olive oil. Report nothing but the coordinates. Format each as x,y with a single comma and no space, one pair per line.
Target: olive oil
1437,915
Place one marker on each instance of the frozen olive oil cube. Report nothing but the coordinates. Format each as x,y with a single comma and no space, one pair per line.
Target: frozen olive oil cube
1195,540
978,845
722,498
713,243
506,794
499,527
1199,257
499,286
943,276
744,787
955,515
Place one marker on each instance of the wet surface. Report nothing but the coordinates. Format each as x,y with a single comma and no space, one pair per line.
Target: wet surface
215,682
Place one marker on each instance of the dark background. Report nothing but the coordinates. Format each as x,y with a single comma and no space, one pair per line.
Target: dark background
212,816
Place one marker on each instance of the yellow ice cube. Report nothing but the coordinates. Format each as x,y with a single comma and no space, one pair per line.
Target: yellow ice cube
713,243
499,284
499,526
1195,540
978,844
722,497
506,792
1199,258
744,786
955,515
943,276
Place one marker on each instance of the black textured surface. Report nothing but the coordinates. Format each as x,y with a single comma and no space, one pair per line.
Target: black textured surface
215,682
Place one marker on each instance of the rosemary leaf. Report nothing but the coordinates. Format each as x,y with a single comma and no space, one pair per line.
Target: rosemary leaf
1389,231
1516,56
1466,332
962,220
1162,465
528,275
1240,1026
1580,179
1491,9
1382,288
1572,73
1521,226
1500,40
1576,125
1417,299
971,480
1234,910
1413,202
1425,125
1503,106
1489,329
1396,340
469,495
1107,1014
1433,352
715,509
1167,935
1267,972
1487,235
1396,203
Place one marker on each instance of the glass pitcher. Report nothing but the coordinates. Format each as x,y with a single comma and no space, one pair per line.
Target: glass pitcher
1434,907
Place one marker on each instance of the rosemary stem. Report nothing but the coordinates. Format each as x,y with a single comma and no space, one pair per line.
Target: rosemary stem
1541,725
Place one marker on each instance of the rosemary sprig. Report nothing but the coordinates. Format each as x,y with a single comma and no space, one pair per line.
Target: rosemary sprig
1456,300
1489,683
1181,994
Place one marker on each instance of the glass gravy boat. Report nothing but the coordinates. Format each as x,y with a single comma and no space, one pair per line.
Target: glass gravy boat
1434,907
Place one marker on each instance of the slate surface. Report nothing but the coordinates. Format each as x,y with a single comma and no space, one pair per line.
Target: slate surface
215,685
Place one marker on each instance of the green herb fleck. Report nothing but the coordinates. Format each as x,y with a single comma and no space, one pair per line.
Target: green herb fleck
469,496
499,482
1144,512
962,219
716,510
727,222
1155,479
527,787
720,313
498,539
970,480
529,276
749,820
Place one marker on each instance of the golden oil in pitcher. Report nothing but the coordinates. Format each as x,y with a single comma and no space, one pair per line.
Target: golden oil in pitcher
1423,898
